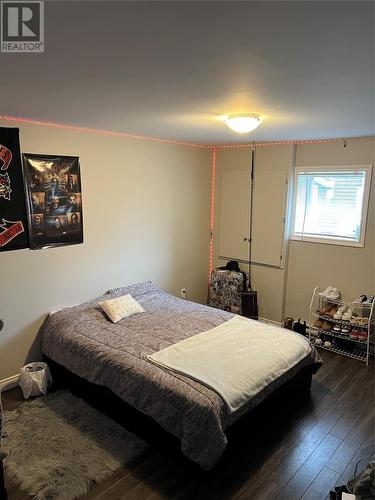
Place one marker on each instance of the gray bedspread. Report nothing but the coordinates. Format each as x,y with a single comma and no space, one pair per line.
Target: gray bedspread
85,342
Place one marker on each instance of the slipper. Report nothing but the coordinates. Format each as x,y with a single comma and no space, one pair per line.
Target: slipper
360,299
318,323
340,311
355,320
337,328
334,294
324,311
332,311
363,336
326,292
354,334
345,330
347,314
327,326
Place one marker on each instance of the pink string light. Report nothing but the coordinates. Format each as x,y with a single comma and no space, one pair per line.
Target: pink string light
31,121
212,213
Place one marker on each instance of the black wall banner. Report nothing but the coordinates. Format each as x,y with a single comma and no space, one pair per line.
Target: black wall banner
13,221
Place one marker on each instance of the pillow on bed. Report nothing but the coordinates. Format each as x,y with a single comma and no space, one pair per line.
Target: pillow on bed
134,289
121,307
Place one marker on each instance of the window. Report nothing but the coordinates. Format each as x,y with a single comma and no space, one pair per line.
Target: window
330,204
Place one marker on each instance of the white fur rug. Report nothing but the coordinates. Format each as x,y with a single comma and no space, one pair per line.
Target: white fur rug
58,446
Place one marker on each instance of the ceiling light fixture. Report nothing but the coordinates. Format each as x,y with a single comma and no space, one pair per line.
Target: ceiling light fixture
243,122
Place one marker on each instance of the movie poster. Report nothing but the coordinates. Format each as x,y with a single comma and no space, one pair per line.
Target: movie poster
53,185
13,220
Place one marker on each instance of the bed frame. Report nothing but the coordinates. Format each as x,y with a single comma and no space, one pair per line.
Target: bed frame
146,428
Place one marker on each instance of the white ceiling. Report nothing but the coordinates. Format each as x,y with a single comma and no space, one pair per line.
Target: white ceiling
171,69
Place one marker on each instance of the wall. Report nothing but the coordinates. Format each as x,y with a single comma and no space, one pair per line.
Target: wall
146,214
286,291
350,269
146,217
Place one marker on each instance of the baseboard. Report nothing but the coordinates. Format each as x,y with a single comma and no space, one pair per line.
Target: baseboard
9,383
270,321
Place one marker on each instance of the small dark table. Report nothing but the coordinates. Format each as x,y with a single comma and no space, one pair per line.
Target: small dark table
250,304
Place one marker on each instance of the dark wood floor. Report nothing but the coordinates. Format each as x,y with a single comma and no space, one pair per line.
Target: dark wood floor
299,451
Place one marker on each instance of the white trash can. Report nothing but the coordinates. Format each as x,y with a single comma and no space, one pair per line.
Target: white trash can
35,378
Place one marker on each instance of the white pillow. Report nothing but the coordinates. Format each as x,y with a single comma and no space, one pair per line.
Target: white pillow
121,307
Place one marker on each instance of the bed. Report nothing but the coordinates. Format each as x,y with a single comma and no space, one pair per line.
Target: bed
83,342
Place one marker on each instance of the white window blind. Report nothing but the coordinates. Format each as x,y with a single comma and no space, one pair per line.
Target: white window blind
330,204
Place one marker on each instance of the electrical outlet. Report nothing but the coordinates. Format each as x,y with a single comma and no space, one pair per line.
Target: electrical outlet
183,293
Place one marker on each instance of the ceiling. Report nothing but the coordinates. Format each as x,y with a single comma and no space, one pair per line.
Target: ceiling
172,69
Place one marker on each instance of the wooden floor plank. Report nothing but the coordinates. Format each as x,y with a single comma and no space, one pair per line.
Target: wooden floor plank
266,490
363,456
322,484
352,415
349,446
306,474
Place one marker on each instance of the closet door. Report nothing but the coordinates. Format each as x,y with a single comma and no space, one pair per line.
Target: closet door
234,214
268,216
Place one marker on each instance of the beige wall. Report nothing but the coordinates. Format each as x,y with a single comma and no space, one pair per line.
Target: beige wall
350,269
146,217
287,291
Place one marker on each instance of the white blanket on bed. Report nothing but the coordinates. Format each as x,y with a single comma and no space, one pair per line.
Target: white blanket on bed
237,359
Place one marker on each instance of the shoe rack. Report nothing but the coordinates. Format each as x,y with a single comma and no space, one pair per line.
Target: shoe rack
349,337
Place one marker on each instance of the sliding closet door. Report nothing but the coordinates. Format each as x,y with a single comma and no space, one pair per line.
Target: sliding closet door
234,213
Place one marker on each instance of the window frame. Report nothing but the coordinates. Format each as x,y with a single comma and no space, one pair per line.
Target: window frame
332,240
